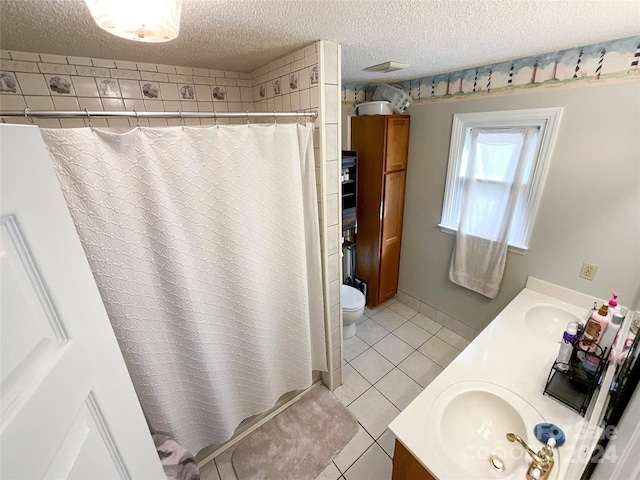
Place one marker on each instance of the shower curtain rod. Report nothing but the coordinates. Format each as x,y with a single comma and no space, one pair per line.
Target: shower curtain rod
26,113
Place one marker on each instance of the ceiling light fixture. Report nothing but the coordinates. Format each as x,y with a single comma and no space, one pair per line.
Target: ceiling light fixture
140,20
387,67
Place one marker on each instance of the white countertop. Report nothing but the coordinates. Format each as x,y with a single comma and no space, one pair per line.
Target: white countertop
507,354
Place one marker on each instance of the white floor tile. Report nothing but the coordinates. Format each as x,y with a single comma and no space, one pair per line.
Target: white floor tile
453,339
412,334
426,323
371,332
393,349
372,311
225,467
367,312
330,473
374,411
387,441
404,310
439,351
389,319
209,472
399,388
353,450
371,365
353,347
374,464
353,385
420,368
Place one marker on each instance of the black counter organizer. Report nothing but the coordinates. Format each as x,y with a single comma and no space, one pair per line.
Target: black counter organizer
576,385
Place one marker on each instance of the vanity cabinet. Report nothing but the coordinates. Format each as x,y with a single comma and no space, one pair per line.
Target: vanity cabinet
406,467
382,143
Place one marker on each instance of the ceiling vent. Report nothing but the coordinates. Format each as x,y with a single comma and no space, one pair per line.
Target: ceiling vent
387,67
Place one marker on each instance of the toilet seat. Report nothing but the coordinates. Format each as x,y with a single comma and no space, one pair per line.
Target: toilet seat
352,298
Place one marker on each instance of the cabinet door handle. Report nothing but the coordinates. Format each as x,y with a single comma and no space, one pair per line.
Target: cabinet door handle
381,208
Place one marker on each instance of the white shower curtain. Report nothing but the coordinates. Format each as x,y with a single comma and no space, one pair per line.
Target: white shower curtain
204,244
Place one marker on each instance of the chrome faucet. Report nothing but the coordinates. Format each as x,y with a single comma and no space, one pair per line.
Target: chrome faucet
542,462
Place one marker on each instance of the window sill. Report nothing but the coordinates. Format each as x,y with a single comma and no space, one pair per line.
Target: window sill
512,248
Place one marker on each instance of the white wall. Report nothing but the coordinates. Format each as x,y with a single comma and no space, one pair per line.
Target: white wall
590,208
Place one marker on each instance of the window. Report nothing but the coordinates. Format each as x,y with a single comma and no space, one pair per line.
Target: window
498,139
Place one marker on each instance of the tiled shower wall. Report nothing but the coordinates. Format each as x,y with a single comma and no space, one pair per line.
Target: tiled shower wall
308,79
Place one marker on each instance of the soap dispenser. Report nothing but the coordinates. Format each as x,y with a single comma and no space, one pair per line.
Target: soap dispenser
613,305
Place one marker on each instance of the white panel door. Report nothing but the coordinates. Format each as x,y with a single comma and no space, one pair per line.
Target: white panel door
68,408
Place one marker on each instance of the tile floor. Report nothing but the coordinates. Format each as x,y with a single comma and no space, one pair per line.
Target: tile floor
394,355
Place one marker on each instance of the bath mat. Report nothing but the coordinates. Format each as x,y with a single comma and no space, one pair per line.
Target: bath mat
298,443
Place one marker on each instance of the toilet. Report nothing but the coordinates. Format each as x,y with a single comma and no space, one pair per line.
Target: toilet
352,309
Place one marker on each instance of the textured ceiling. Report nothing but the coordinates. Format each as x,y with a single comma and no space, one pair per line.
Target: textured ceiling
241,35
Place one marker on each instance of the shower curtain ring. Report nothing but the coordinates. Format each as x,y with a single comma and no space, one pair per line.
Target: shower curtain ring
89,117
137,118
26,115
275,119
181,119
247,117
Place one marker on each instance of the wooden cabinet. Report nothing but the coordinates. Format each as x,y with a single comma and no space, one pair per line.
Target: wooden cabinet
406,467
382,143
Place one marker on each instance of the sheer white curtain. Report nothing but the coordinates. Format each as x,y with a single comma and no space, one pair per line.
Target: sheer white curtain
492,180
204,243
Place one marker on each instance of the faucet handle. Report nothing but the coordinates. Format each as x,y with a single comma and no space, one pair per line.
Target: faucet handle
546,451
542,461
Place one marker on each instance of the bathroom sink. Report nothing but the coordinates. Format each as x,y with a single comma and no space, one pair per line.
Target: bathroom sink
470,420
548,321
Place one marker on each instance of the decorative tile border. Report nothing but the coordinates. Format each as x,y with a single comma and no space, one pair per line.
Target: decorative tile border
31,79
289,83
611,61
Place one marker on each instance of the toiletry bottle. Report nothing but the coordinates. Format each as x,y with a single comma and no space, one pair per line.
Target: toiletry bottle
613,305
611,331
566,346
626,348
593,331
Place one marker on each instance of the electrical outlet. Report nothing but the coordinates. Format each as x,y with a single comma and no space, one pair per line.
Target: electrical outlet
588,271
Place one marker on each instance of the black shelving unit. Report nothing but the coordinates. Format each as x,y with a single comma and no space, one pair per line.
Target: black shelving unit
349,175
574,385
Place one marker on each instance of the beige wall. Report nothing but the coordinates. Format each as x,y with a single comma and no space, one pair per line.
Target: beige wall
590,208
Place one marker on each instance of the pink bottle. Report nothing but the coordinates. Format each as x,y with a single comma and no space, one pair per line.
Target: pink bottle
593,332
